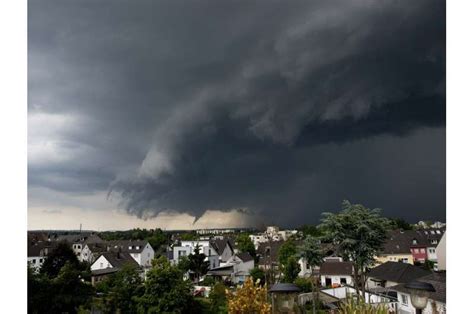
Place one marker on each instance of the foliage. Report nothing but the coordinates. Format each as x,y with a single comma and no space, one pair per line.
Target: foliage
197,263
311,230
258,275
245,244
189,236
208,281
287,250
218,298
291,270
120,289
156,237
310,250
165,290
250,298
63,294
57,259
399,223
352,305
359,233
304,284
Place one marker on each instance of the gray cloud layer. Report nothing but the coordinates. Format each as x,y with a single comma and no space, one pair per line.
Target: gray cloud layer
283,108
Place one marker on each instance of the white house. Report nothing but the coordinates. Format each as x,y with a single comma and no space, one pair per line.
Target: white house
236,269
305,268
37,254
336,273
77,241
140,250
187,247
110,262
223,248
91,251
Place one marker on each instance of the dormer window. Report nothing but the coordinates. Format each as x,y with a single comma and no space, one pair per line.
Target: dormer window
137,247
415,241
130,247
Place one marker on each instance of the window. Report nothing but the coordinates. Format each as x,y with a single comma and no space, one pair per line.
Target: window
343,280
34,260
414,241
416,251
422,250
101,265
404,299
41,260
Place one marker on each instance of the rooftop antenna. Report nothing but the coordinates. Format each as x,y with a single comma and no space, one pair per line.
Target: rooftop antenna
80,228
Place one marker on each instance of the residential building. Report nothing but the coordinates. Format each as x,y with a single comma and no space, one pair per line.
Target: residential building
92,251
393,273
187,247
224,248
436,300
235,270
141,251
77,241
37,253
110,262
335,274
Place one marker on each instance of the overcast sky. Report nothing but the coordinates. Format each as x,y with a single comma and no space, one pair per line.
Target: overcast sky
232,113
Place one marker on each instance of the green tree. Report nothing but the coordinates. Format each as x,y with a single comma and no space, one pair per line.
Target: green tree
258,275
245,244
291,269
310,230
305,284
58,258
310,250
359,233
399,223
165,290
68,290
287,250
122,290
198,264
218,298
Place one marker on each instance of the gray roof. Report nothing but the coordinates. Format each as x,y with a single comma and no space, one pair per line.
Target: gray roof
245,256
284,287
79,238
400,241
97,247
336,268
104,271
131,246
119,259
220,245
397,272
438,280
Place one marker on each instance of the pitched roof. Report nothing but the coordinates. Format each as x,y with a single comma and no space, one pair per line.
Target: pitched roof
336,268
438,280
245,256
119,259
220,244
80,238
397,272
268,251
131,246
97,247
400,241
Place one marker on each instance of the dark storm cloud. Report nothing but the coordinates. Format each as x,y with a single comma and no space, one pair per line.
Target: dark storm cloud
277,108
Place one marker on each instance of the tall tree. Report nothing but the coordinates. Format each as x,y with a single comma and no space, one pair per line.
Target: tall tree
58,258
165,290
359,233
249,298
245,244
310,250
121,290
291,269
197,263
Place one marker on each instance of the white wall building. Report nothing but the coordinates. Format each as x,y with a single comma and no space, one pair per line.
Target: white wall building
187,247
336,273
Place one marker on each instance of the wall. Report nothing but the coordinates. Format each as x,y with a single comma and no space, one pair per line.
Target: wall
441,253
101,260
394,258
36,261
146,256
336,279
409,308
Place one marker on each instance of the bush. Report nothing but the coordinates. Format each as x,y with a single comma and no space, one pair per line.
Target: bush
304,284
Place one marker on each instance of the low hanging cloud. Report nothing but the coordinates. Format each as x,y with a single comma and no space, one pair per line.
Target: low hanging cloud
208,106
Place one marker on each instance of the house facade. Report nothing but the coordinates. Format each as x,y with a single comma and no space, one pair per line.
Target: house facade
334,274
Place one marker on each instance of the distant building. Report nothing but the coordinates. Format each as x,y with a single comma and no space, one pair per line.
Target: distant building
187,247
109,263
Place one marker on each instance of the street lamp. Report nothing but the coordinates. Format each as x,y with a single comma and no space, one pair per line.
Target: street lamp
419,293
